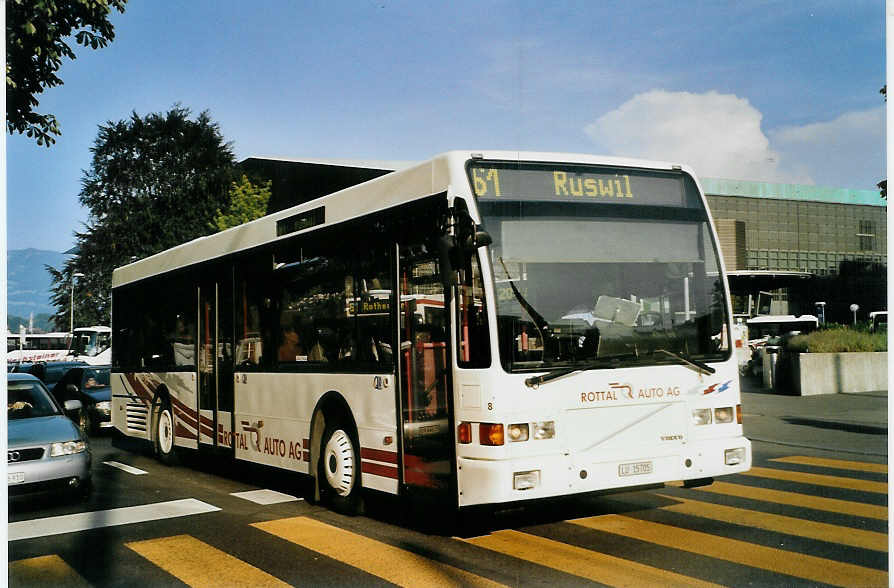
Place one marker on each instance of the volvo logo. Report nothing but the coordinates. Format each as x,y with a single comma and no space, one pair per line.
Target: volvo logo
13,456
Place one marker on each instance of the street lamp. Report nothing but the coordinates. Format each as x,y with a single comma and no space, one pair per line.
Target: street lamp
854,309
73,277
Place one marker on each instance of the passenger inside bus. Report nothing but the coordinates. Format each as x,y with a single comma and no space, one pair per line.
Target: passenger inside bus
291,348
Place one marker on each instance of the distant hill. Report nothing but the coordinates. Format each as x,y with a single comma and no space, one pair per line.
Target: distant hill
28,281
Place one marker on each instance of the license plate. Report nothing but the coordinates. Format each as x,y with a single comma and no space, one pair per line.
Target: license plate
15,478
636,468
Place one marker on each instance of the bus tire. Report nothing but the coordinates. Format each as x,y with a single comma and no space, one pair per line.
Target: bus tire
164,433
339,469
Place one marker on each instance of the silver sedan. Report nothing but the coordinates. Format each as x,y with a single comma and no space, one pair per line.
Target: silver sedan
47,452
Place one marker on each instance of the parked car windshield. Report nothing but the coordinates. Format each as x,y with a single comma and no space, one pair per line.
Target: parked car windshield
29,400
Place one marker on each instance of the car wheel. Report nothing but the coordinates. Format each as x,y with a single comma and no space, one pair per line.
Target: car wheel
85,421
339,470
164,433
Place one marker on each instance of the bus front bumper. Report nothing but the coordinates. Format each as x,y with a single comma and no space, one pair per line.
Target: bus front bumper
544,476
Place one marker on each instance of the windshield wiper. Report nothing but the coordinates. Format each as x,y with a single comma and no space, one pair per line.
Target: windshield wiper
535,381
538,319
697,365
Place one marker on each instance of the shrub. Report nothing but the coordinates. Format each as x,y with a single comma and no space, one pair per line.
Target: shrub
838,340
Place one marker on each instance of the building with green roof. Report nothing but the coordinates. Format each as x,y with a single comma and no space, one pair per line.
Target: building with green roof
775,235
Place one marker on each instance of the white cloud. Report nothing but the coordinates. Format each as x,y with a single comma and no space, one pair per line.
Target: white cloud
848,151
718,134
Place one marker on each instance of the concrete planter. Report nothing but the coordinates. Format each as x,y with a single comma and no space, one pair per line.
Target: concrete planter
833,373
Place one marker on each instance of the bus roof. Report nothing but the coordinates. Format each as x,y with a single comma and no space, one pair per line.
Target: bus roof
94,328
782,318
426,178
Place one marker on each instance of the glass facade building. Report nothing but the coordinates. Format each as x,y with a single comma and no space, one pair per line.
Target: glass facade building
785,227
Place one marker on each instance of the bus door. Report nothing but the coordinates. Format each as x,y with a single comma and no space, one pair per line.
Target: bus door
427,436
216,363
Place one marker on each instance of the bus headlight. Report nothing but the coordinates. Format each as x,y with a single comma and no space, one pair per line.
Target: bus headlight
701,416
544,430
734,456
518,432
723,415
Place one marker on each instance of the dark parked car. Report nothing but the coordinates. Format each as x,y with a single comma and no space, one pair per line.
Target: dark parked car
46,451
91,385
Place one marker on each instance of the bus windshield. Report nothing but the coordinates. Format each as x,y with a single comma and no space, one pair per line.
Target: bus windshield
89,343
624,278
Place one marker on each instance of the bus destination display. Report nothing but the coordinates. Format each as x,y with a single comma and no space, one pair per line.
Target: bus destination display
498,181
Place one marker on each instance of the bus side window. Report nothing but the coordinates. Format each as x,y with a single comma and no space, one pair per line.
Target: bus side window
371,304
474,343
249,339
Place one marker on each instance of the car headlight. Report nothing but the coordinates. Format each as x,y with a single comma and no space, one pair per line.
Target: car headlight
67,448
104,407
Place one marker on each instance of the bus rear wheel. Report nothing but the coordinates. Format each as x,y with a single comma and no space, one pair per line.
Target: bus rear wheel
339,470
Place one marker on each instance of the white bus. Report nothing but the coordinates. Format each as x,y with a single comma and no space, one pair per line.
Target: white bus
561,326
33,347
92,345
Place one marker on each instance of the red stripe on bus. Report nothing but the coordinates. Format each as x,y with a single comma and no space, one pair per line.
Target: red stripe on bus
183,407
139,388
186,418
305,443
378,455
305,456
181,431
377,469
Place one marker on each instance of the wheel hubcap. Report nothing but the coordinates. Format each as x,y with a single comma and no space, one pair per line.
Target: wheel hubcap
165,432
339,459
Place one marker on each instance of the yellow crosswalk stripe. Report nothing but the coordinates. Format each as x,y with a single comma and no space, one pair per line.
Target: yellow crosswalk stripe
780,523
198,564
835,505
571,559
838,464
816,569
819,480
46,570
390,563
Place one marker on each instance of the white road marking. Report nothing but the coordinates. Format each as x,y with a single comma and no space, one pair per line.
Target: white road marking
83,521
126,468
265,496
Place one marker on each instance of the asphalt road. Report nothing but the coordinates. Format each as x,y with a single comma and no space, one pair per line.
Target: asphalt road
805,515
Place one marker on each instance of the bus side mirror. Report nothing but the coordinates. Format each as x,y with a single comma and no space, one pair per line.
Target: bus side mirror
475,239
482,238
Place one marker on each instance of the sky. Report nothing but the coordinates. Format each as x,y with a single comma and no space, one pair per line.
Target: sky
763,90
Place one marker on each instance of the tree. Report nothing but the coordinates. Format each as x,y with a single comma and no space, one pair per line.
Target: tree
883,185
154,182
248,201
36,33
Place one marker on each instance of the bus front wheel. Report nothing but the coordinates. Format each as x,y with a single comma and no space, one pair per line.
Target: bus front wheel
164,433
339,470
